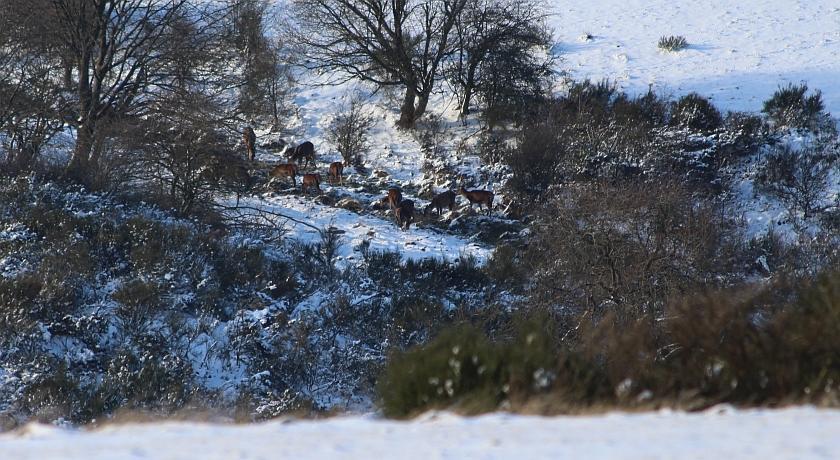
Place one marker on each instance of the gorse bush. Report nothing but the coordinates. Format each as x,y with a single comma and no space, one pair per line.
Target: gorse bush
461,366
754,345
672,43
695,112
791,107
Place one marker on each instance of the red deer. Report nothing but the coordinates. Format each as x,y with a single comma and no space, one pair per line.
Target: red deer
309,181
284,170
482,197
336,170
305,151
394,197
404,212
250,140
440,201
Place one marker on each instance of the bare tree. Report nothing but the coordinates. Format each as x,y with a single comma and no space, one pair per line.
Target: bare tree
801,178
31,101
349,132
500,49
183,150
265,62
113,45
389,43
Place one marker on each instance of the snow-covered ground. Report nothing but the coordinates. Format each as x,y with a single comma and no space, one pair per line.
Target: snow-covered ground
738,53
796,433
382,234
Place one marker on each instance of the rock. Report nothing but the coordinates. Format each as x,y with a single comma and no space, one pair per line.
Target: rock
380,173
273,143
351,204
325,200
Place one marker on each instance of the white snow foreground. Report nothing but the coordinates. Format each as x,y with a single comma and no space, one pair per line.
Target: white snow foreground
794,433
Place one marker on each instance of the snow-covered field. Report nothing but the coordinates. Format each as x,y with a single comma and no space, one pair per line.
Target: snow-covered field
738,53
797,433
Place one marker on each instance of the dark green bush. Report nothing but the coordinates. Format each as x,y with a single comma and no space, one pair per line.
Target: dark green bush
460,363
695,112
790,106
672,43
463,367
753,345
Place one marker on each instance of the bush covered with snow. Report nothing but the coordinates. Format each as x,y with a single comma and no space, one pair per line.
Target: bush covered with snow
790,107
108,307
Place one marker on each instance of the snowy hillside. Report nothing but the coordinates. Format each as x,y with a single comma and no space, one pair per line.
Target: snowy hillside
738,53
803,433
183,265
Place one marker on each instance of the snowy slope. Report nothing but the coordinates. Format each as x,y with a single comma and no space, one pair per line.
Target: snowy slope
799,433
382,234
739,52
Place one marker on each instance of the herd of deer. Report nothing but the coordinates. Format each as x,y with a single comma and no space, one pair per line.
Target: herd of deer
403,209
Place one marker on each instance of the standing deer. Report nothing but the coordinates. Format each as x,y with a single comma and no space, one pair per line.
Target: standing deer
441,200
394,197
336,170
404,212
482,197
285,170
309,181
305,151
249,137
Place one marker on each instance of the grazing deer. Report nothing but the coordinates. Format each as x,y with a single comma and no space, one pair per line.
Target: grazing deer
250,140
482,197
305,151
309,181
285,170
440,201
404,212
336,170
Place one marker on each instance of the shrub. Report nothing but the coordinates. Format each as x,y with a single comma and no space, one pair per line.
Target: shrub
348,132
537,161
140,302
460,363
800,178
672,43
648,110
429,132
752,345
695,112
744,133
624,248
790,107
149,378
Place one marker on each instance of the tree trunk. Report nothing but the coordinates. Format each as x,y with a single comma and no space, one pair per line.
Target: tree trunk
407,111
465,104
67,77
86,129
468,90
420,109
77,168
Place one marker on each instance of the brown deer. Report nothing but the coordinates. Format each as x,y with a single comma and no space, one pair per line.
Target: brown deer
394,197
250,140
284,170
336,170
305,151
309,181
482,197
404,212
441,200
